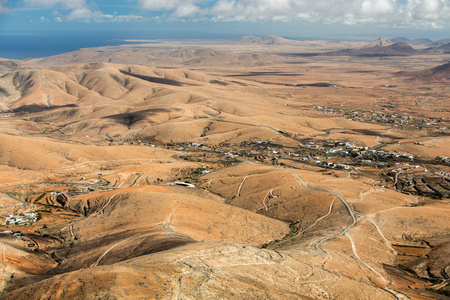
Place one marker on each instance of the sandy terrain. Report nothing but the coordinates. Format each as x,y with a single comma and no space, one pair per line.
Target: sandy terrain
256,168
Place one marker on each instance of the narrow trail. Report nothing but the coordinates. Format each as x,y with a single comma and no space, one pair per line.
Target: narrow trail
400,207
168,223
164,225
322,240
265,197
240,186
136,182
118,180
218,111
102,209
72,235
302,183
3,251
109,249
396,294
363,262
386,242
322,217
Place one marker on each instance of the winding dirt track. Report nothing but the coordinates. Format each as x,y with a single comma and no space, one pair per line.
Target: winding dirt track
322,217
303,184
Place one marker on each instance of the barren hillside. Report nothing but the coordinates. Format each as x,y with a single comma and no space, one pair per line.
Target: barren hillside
439,73
239,170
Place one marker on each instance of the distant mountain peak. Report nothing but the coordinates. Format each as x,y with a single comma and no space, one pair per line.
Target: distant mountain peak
381,41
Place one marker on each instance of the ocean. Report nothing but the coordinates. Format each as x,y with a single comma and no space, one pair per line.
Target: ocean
18,45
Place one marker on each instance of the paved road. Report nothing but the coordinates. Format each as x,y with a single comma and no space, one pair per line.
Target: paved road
19,206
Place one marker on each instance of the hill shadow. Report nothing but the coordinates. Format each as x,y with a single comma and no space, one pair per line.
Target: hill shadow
131,118
4,91
154,79
264,73
35,108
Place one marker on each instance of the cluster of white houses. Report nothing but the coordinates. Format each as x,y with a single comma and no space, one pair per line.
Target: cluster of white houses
394,119
22,219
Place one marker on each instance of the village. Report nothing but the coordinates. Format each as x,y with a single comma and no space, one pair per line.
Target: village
27,218
395,119
400,171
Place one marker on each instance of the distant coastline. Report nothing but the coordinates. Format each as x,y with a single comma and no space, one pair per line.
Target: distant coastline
21,45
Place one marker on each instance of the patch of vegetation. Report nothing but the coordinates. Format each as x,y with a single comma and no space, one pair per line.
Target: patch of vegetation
294,230
198,171
187,158
40,197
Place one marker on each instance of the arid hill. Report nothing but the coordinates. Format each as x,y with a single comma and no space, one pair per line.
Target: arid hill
151,57
7,65
439,49
422,41
440,42
439,73
204,270
133,222
120,101
239,170
398,49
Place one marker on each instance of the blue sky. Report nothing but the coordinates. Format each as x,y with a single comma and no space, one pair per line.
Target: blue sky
339,19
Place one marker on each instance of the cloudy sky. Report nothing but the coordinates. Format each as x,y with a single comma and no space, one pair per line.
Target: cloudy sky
292,18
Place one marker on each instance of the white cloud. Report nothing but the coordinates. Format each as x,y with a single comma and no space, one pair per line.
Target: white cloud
418,13
79,9
43,19
377,7
161,4
394,13
83,13
429,9
3,7
130,18
186,9
67,4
